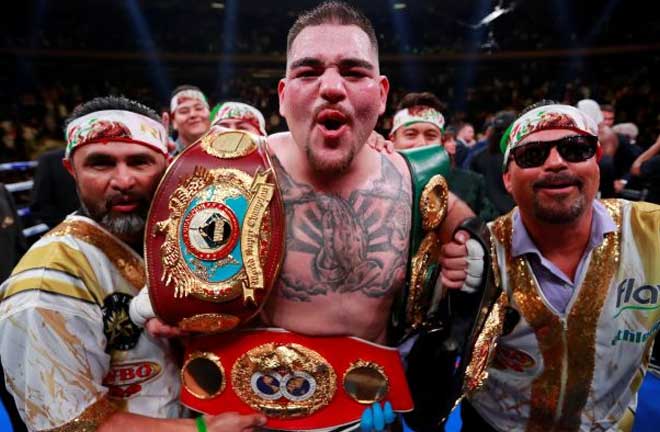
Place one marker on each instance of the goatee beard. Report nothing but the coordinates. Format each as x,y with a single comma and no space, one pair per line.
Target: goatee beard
119,225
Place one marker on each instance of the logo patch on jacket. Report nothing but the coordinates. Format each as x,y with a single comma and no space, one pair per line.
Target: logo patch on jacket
509,358
120,332
125,380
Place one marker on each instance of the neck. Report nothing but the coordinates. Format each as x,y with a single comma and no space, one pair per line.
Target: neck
186,141
562,244
365,164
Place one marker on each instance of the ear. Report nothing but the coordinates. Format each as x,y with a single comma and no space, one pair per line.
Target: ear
384,85
69,167
281,86
506,178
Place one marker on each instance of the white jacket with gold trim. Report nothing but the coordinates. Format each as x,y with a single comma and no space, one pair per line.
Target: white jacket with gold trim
70,353
580,370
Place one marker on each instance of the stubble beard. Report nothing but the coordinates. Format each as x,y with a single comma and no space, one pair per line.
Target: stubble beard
323,166
558,212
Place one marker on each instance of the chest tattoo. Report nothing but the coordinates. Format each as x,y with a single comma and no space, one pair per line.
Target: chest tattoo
359,244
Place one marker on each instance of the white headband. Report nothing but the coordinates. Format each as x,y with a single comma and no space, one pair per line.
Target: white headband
115,125
543,118
187,94
241,111
417,114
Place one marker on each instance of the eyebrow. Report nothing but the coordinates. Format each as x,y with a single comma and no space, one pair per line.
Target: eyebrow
343,63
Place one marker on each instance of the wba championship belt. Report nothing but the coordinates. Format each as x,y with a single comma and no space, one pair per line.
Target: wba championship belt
298,382
214,239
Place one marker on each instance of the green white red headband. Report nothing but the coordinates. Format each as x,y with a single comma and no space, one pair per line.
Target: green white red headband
183,95
417,114
240,111
115,126
543,118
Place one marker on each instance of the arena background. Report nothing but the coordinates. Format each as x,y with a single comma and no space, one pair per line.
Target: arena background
56,54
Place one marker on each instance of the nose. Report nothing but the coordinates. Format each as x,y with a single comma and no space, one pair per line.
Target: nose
332,86
123,178
554,162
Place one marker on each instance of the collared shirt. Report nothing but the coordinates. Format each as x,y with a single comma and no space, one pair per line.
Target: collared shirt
557,288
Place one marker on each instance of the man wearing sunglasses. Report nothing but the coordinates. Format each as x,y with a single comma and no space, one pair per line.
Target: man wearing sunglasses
581,286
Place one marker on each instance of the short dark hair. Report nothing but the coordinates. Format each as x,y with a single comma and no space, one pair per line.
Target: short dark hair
499,124
542,102
332,12
424,99
607,107
185,87
110,103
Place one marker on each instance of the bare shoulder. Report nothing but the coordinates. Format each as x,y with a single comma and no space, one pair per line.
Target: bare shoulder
279,139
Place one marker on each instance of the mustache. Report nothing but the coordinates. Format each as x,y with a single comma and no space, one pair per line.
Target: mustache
558,179
119,199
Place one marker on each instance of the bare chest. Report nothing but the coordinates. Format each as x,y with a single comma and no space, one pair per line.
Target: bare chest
346,256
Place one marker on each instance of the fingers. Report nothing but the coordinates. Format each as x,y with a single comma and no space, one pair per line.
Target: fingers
389,146
454,250
377,418
250,421
451,283
157,328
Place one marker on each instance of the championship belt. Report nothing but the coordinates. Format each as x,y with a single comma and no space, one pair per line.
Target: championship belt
298,382
214,239
454,331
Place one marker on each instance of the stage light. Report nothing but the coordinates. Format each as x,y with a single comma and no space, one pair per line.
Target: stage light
399,6
217,5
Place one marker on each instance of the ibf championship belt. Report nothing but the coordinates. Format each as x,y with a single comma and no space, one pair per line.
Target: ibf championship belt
214,239
299,382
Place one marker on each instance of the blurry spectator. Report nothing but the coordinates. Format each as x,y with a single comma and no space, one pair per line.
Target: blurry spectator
609,144
54,192
478,146
628,130
591,108
189,109
647,167
419,123
488,162
465,135
239,116
608,115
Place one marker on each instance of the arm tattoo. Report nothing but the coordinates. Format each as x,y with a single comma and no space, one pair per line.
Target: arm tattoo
355,244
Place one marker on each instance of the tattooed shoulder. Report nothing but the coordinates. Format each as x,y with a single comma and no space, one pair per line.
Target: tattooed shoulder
354,244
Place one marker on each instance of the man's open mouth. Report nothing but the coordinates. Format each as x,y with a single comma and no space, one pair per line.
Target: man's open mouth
331,120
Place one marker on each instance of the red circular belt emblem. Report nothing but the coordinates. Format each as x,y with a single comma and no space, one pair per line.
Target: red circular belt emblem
210,231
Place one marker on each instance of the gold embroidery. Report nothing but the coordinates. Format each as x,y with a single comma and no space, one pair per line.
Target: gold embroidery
129,265
91,419
583,321
485,346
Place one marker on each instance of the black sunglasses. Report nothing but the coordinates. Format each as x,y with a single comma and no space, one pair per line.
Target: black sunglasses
576,148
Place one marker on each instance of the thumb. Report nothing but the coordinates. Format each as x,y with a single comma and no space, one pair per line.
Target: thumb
461,236
251,420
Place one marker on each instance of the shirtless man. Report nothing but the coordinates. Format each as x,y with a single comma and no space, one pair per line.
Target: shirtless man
348,207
